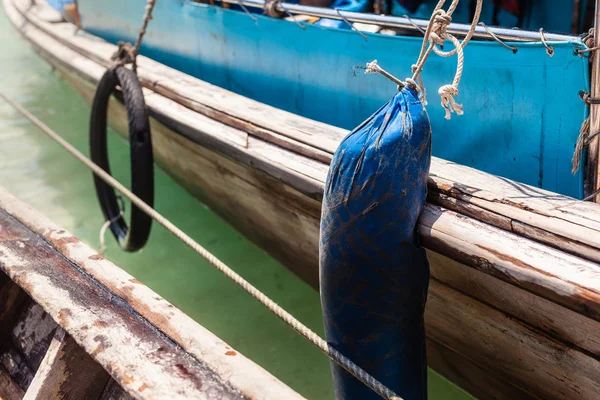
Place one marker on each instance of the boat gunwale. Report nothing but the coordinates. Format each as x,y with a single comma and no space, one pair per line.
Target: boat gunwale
143,307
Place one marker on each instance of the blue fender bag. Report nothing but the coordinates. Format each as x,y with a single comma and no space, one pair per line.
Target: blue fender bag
374,275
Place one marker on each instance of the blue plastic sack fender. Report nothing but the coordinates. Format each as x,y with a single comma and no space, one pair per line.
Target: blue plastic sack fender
374,275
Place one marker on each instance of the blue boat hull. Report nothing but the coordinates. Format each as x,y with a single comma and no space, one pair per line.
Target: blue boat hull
522,111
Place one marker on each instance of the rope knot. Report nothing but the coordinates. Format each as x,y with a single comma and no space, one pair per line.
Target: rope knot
270,9
447,93
441,20
125,53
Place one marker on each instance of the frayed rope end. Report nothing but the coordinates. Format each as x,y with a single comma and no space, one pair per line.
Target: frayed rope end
447,93
372,67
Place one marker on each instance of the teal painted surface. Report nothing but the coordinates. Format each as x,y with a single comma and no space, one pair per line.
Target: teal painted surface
522,112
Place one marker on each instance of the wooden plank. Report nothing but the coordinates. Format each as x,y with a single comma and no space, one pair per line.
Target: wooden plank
32,334
514,352
67,372
558,322
9,390
113,391
551,274
592,164
12,302
143,360
477,381
141,339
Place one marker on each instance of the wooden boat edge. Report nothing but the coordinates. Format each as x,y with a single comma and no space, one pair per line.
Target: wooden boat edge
231,367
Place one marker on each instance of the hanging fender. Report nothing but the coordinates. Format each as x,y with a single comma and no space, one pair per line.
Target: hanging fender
134,236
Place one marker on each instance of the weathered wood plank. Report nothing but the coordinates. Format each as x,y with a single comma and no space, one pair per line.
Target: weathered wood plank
558,322
513,351
12,302
132,332
67,372
141,359
9,390
479,382
113,391
556,276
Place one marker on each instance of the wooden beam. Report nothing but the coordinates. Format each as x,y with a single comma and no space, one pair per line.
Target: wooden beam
592,173
9,390
12,300
67,373
113,391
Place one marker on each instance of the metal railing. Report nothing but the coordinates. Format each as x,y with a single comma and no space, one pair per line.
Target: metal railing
406,23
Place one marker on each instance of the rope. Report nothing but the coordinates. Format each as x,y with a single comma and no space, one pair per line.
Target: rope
435,35
580,144
337,10
549,49
497,39
105,226
585,137
126,53
286,317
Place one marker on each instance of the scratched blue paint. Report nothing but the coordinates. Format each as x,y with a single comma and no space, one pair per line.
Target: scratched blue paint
522,112
374,275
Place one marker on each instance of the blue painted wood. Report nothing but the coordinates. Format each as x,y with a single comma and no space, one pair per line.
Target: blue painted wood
522,112
374,275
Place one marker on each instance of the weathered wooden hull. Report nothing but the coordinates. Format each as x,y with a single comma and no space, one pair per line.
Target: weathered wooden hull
74,326
514,305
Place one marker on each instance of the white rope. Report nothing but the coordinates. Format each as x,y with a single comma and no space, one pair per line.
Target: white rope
103,229
435,35
302,329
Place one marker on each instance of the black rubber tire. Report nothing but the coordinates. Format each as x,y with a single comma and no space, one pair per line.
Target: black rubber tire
135,236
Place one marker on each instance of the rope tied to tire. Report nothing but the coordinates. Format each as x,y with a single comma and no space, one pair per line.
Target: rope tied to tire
132,236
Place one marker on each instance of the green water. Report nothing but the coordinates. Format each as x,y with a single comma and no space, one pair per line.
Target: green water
39,172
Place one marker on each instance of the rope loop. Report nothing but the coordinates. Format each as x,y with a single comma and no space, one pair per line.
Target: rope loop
549,49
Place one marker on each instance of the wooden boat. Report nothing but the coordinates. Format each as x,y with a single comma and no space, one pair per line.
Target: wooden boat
75,326
514,306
